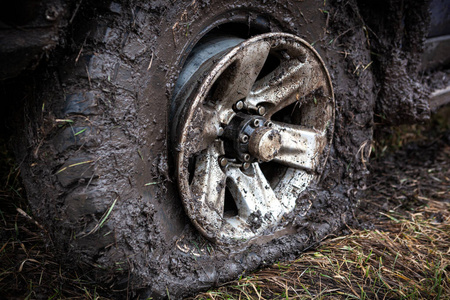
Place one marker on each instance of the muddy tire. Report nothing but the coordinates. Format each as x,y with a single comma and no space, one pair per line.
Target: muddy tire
98,154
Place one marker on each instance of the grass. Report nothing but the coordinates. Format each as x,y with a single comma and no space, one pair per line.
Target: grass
404,257
388,139
29,266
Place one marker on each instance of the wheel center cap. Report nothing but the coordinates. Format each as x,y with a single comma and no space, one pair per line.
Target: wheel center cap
264,143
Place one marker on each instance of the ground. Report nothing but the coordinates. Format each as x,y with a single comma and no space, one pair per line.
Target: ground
397,247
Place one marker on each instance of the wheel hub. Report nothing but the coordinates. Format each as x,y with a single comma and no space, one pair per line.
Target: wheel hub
252,122
265,143
249,138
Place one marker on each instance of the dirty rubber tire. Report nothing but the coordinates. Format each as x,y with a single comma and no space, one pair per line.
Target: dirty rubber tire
97,157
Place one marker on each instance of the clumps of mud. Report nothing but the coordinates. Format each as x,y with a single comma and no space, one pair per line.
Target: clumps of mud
396,32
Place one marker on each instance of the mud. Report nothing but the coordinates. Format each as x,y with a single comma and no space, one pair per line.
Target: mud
115,76
410,176
437,80
396,32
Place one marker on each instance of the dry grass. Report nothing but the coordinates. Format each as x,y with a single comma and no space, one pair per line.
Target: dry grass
30,269
29,266
388,139
405,257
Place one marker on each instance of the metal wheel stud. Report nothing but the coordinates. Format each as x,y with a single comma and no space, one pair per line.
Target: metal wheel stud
261,110
239,105
257,123
223,162
243,138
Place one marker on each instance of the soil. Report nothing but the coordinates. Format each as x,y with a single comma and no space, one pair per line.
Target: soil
415,171
107,191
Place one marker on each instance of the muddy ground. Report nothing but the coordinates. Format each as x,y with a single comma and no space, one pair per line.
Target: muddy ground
410,176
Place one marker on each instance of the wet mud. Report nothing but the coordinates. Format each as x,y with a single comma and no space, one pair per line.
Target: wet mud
396,32
108,193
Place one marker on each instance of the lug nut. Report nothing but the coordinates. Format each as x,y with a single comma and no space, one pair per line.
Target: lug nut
223,162
261,110
220,131
256,122
245,165
239,105
243,138
246,157
268,124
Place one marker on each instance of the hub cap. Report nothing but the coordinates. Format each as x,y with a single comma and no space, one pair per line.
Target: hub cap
252,122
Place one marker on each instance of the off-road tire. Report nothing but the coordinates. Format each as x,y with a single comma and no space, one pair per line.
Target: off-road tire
97,158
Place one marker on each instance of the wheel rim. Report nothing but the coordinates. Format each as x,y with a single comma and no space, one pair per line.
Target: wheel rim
252,122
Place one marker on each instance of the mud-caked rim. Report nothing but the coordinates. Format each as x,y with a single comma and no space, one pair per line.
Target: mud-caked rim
253,121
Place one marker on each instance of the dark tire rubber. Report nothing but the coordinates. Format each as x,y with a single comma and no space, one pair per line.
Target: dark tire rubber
97,157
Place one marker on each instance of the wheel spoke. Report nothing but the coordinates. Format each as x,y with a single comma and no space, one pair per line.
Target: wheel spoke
239,77
300,146
252,193
208,184
203,129
289,82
